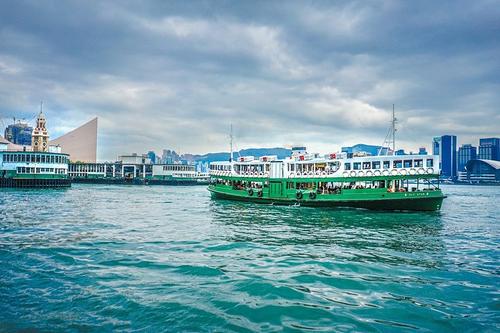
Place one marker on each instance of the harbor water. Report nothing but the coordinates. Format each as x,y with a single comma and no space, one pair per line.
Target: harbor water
98,258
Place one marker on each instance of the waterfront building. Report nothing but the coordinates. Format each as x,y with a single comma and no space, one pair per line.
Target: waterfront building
483,171
489,149
19,133
465,153
80,143
422,151
136,170
446,147
40,136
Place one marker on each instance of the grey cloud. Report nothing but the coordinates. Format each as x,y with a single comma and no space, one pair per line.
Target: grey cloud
175,74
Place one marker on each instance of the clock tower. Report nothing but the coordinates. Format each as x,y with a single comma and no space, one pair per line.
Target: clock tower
40,136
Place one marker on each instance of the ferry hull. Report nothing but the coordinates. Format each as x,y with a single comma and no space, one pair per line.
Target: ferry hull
34,182
431,203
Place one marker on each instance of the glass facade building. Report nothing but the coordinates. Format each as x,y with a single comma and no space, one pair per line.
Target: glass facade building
19,133
446,147
489,149
466,153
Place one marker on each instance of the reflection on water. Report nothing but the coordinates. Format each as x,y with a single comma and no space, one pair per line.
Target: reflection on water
102,258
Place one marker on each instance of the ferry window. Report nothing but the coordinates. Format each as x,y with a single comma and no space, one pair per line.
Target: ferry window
397,164
418,163
387,164
43,158
407,163
366,165
376,165
37,159
356,165
430,162
347,166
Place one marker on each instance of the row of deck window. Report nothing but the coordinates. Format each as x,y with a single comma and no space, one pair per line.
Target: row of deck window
87,168
178,168
396,164
29,170
35,158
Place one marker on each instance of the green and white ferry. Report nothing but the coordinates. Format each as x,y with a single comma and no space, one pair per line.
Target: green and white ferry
396,182
33,169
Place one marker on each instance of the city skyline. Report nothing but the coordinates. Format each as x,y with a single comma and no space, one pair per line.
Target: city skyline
175,75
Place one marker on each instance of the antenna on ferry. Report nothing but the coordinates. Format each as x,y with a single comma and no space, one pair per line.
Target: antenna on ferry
393,131
231,144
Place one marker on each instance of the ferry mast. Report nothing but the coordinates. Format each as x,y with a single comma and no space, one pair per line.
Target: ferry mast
390,138
393,131
231,144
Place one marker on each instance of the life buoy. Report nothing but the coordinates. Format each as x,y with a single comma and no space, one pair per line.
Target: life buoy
430,170
259,194
421,171
385,172
299,195
413,171
377,172
345,174
292,174
394,172
298,174
250,192
312,195
361,173
404,172
369,173
353,173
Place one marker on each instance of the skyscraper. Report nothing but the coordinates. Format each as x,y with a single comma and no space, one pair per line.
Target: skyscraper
446,147
466,153
152,156
436,145
19,133
489,149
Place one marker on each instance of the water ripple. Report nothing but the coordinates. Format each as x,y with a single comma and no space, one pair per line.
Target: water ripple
159,259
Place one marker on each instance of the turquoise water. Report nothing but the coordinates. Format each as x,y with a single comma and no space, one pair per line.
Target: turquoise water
150,259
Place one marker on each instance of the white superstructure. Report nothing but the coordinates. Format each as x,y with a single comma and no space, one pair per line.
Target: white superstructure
332,165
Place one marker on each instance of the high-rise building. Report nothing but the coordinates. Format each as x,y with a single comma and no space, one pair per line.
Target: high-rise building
489,149
152,156
19,133
446,147
465,153
436,145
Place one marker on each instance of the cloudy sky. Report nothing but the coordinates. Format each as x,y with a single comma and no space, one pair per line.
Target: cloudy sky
165,74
